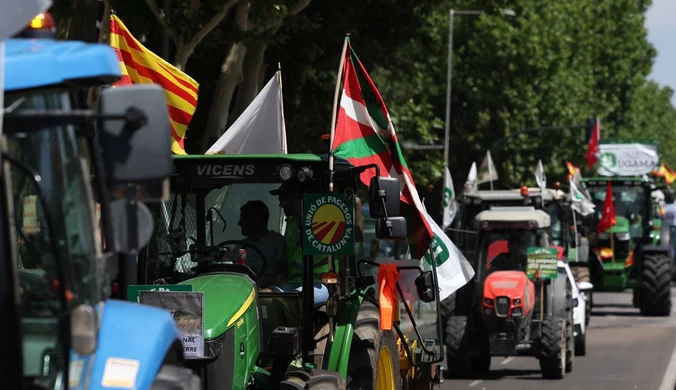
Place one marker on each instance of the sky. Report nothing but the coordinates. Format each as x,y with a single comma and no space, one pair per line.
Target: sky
661,25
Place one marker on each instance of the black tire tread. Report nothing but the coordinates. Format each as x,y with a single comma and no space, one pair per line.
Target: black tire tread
367,341
549,354
457,351
315,380
655,297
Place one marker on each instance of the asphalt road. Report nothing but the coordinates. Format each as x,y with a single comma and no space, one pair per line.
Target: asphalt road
624,351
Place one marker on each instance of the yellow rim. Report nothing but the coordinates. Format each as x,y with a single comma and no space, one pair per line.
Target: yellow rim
385,373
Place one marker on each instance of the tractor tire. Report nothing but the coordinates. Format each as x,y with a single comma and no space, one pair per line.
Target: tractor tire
457,349
655,297
581,344
173,377
552,348
570,347
316,380
374,356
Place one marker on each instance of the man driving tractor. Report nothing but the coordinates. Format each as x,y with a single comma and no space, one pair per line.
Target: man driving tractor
514,259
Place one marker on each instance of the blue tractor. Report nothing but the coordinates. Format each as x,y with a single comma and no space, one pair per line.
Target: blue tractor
59,161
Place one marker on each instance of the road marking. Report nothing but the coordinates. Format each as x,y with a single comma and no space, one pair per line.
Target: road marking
670,375
476,382
507,360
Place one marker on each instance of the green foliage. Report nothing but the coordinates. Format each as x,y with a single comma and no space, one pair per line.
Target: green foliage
555,63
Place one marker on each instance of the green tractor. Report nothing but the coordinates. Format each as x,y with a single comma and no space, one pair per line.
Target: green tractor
630,254
253,333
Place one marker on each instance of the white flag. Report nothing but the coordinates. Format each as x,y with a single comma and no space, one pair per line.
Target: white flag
450,204
487,171
540,177
16,14
453,269
471,182
580,202
260,129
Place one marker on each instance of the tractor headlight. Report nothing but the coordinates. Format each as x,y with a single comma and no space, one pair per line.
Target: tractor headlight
622,236
285,172
304,174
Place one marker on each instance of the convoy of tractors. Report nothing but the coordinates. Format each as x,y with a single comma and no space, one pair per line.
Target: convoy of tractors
170,296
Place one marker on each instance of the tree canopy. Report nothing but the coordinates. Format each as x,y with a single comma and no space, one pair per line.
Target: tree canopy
552,64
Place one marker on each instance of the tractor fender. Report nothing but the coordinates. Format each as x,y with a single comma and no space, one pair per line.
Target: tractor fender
343,334
131,335
650,249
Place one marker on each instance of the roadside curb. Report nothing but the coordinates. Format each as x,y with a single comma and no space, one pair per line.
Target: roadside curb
669,380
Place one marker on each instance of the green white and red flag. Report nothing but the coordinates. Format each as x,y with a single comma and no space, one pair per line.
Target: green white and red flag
365,135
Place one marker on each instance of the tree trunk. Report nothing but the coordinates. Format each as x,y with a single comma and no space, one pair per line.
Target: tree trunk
183,52
252,82
231,75
83,25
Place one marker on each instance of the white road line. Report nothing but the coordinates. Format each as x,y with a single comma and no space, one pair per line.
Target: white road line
507,360
670,375
476,382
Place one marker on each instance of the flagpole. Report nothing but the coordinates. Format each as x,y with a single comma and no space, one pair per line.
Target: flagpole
282,125
336,96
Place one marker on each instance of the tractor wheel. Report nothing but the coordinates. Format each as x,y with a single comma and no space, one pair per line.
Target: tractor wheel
374,356
552,351
570,347
457,351
655,298
581,344
176,377
317,379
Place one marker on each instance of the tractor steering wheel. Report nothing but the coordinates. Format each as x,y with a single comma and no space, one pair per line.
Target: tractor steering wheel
252,246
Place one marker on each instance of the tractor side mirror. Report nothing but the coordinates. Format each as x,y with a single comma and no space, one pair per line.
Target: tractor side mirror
392,228
424,283
384,195
585,286
136,143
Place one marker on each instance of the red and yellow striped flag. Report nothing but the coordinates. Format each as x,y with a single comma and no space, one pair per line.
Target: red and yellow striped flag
667,173
141,66
571,168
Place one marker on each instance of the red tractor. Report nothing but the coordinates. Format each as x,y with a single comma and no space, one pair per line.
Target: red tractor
522,303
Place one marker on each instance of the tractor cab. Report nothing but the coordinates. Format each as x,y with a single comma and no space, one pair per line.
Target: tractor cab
283,280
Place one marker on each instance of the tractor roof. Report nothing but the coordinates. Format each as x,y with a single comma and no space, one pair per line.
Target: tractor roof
36,63
514,195
514,214
208,171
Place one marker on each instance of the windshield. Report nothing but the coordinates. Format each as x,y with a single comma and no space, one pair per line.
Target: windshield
177,226
507,247
629,202
54,153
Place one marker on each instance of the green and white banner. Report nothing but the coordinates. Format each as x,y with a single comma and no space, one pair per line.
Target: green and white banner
631,159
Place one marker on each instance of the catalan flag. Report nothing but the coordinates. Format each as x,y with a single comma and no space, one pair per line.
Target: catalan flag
667,173
571,168
141,66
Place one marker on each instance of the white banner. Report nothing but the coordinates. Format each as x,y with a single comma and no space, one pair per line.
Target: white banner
450,204
632,159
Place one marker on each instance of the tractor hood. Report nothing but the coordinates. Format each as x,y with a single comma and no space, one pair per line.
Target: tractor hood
226,298
621,226
512,284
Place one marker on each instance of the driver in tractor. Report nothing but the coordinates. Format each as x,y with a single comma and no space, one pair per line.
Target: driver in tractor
253,220
290,197
514,259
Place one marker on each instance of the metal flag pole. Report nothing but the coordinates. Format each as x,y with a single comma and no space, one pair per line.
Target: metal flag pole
336,96
282,123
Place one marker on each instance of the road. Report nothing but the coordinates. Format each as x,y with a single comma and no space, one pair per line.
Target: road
624,351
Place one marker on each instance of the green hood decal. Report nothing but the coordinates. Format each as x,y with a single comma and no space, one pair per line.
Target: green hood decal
621,225
226,298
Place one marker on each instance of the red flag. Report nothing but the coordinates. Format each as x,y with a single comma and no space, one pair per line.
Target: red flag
608,214
593,146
